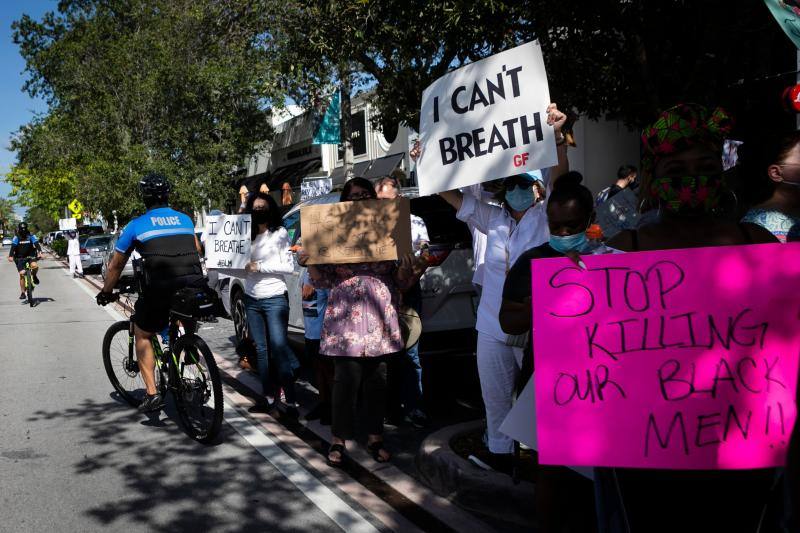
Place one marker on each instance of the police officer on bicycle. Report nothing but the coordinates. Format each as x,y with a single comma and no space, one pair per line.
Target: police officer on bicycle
24,246
166,240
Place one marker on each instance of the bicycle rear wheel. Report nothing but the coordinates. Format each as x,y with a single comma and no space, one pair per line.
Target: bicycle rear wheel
198,392
119,359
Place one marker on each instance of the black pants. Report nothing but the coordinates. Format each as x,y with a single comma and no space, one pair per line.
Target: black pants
356,377
323,370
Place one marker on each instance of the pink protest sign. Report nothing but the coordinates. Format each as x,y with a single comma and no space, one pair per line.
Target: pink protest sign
684,359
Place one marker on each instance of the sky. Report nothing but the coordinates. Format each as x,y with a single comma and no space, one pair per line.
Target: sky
17,107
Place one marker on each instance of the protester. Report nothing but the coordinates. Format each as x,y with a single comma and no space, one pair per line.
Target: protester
286,194
682,171
564,499
315,301
74,254
626,179
267,302
512,229
247,188
361,331
407,370
774,163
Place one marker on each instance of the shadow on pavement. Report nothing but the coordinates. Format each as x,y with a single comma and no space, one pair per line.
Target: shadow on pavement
172,483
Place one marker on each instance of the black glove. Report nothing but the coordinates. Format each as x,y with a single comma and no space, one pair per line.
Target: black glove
105,298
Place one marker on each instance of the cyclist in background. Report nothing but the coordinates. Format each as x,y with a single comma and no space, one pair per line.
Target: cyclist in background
24,246
166,240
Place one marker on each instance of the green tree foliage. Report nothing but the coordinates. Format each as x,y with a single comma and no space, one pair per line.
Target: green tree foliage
40,221
178,86
6,214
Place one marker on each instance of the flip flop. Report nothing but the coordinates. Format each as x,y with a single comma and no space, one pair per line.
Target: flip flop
336,448
375,449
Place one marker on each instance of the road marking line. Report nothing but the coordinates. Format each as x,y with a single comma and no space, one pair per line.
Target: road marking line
324,498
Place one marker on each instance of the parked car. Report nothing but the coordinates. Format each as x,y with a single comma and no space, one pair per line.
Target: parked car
127,271
449,300
93,250
6,241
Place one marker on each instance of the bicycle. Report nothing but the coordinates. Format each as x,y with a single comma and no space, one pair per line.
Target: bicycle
185,367
28,279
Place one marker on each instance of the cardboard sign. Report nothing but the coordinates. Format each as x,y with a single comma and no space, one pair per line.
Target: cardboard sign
683,359
485,121
620,212
65,224
356,232
227,241
313,187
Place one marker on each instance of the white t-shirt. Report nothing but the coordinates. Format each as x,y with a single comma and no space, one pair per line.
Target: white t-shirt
271,251
506,240
419,233
73,246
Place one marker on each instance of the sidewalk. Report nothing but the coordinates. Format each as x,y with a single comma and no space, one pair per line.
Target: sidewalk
424,470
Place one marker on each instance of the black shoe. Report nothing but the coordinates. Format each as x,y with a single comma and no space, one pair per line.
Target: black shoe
151,403
292,413
418,419
22,296
35,279
263,407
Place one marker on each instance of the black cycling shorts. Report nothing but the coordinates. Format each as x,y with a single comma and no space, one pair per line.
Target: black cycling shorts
21,263
151,311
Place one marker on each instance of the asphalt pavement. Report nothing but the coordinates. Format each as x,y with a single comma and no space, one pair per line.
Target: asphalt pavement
73,457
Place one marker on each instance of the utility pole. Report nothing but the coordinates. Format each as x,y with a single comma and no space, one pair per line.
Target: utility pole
346,122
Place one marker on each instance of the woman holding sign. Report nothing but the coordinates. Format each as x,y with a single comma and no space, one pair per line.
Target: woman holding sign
361,331
267,301
511,230
682,167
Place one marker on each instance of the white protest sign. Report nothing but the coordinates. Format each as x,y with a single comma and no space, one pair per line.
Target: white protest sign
313,187
227,241
486,120
65,224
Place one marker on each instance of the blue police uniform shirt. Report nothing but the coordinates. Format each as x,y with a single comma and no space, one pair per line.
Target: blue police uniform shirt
159,222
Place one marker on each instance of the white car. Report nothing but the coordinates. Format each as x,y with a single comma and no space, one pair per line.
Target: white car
449,299
6,241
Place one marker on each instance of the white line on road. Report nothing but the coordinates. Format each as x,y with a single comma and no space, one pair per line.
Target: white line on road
323,497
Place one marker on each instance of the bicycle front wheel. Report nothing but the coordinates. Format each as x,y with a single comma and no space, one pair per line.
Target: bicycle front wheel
198,392
29,287
119,359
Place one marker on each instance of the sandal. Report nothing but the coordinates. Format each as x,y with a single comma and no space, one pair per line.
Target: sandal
375,449
336,448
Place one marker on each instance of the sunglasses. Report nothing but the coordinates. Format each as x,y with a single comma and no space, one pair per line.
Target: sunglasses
510,183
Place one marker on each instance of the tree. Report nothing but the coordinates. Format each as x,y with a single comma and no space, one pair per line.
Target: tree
6,215
40,221
178,86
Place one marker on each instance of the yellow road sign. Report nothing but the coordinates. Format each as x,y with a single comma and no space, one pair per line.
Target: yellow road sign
76,207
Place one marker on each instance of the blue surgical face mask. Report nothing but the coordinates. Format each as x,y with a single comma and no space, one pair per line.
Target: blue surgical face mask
568,243
520,199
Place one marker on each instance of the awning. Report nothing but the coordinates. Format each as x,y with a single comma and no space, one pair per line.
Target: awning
384,166
359,169
293,173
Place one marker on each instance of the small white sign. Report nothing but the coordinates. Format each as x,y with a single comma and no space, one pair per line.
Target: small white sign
65,224
227,241
313,187
486,120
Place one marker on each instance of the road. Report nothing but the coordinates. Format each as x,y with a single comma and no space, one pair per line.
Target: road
74,458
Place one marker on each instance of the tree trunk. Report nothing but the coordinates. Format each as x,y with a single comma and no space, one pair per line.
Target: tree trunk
346,121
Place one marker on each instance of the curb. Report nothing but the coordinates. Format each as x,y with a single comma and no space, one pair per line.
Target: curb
480,491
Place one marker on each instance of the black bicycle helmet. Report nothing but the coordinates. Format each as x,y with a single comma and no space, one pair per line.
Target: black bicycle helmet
154,188
22,228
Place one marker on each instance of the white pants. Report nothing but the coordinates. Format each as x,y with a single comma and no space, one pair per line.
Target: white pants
75,263
498,369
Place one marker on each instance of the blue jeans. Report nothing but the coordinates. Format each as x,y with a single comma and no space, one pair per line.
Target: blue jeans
411,379
268,319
